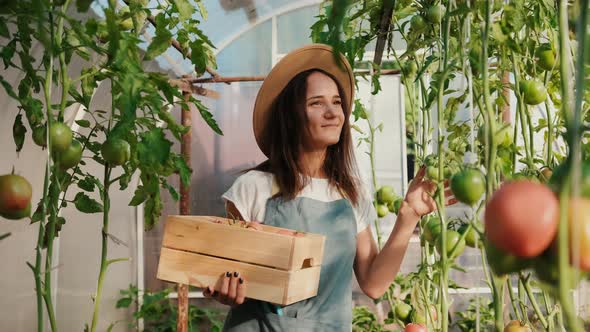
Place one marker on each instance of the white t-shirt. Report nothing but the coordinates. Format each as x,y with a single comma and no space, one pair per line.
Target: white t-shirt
251,190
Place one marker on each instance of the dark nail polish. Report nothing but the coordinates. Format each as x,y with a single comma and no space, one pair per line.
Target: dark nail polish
241,281
227,274
235,274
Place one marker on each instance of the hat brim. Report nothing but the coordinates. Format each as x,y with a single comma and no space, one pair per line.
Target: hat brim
314,56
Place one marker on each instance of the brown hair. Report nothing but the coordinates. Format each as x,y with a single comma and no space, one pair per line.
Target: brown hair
285,138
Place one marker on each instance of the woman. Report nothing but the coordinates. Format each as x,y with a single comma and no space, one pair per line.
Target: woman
310,183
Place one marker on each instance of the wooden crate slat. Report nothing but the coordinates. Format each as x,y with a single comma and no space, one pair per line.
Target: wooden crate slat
263,283
200,234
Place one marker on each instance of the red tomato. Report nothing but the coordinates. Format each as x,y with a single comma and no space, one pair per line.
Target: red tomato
412,327
521,218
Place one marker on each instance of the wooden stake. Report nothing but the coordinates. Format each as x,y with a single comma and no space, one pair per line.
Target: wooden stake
185,148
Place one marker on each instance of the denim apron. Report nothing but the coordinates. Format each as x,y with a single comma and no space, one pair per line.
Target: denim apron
331,309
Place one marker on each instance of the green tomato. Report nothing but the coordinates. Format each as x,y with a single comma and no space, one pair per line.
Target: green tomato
116,151
386,195
402,311
432,230
472,237
534,92
503,263
40,136
69,158
468,186
545,56
435,13
557,179
61,137
382,210
432,173
453,238
417,23
395,206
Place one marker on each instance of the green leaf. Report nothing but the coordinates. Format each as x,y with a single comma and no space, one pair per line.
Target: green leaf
139,197
159,44
86,204
183,170
198,56
154,148
185,9
206,115
83,123
7,53
8,88
152,211
171,190
83,5
124,302
202,10
86,184
18,132
4,28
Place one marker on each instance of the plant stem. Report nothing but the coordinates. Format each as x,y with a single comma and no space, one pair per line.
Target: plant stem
522,300
573,119
103,257
47,291
533,300
37,268
513,300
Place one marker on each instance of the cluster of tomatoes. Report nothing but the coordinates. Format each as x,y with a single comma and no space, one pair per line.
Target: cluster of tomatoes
387,201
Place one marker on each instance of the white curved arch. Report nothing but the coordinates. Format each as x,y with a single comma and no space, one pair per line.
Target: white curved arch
280,11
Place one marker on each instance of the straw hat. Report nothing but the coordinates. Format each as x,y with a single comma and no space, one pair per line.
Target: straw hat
314,56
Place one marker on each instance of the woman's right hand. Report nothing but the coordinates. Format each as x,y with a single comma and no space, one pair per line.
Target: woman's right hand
232,291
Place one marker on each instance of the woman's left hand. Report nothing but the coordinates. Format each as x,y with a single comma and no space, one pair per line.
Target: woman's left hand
421,191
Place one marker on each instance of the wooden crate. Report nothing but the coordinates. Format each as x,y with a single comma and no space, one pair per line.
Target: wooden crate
281,269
